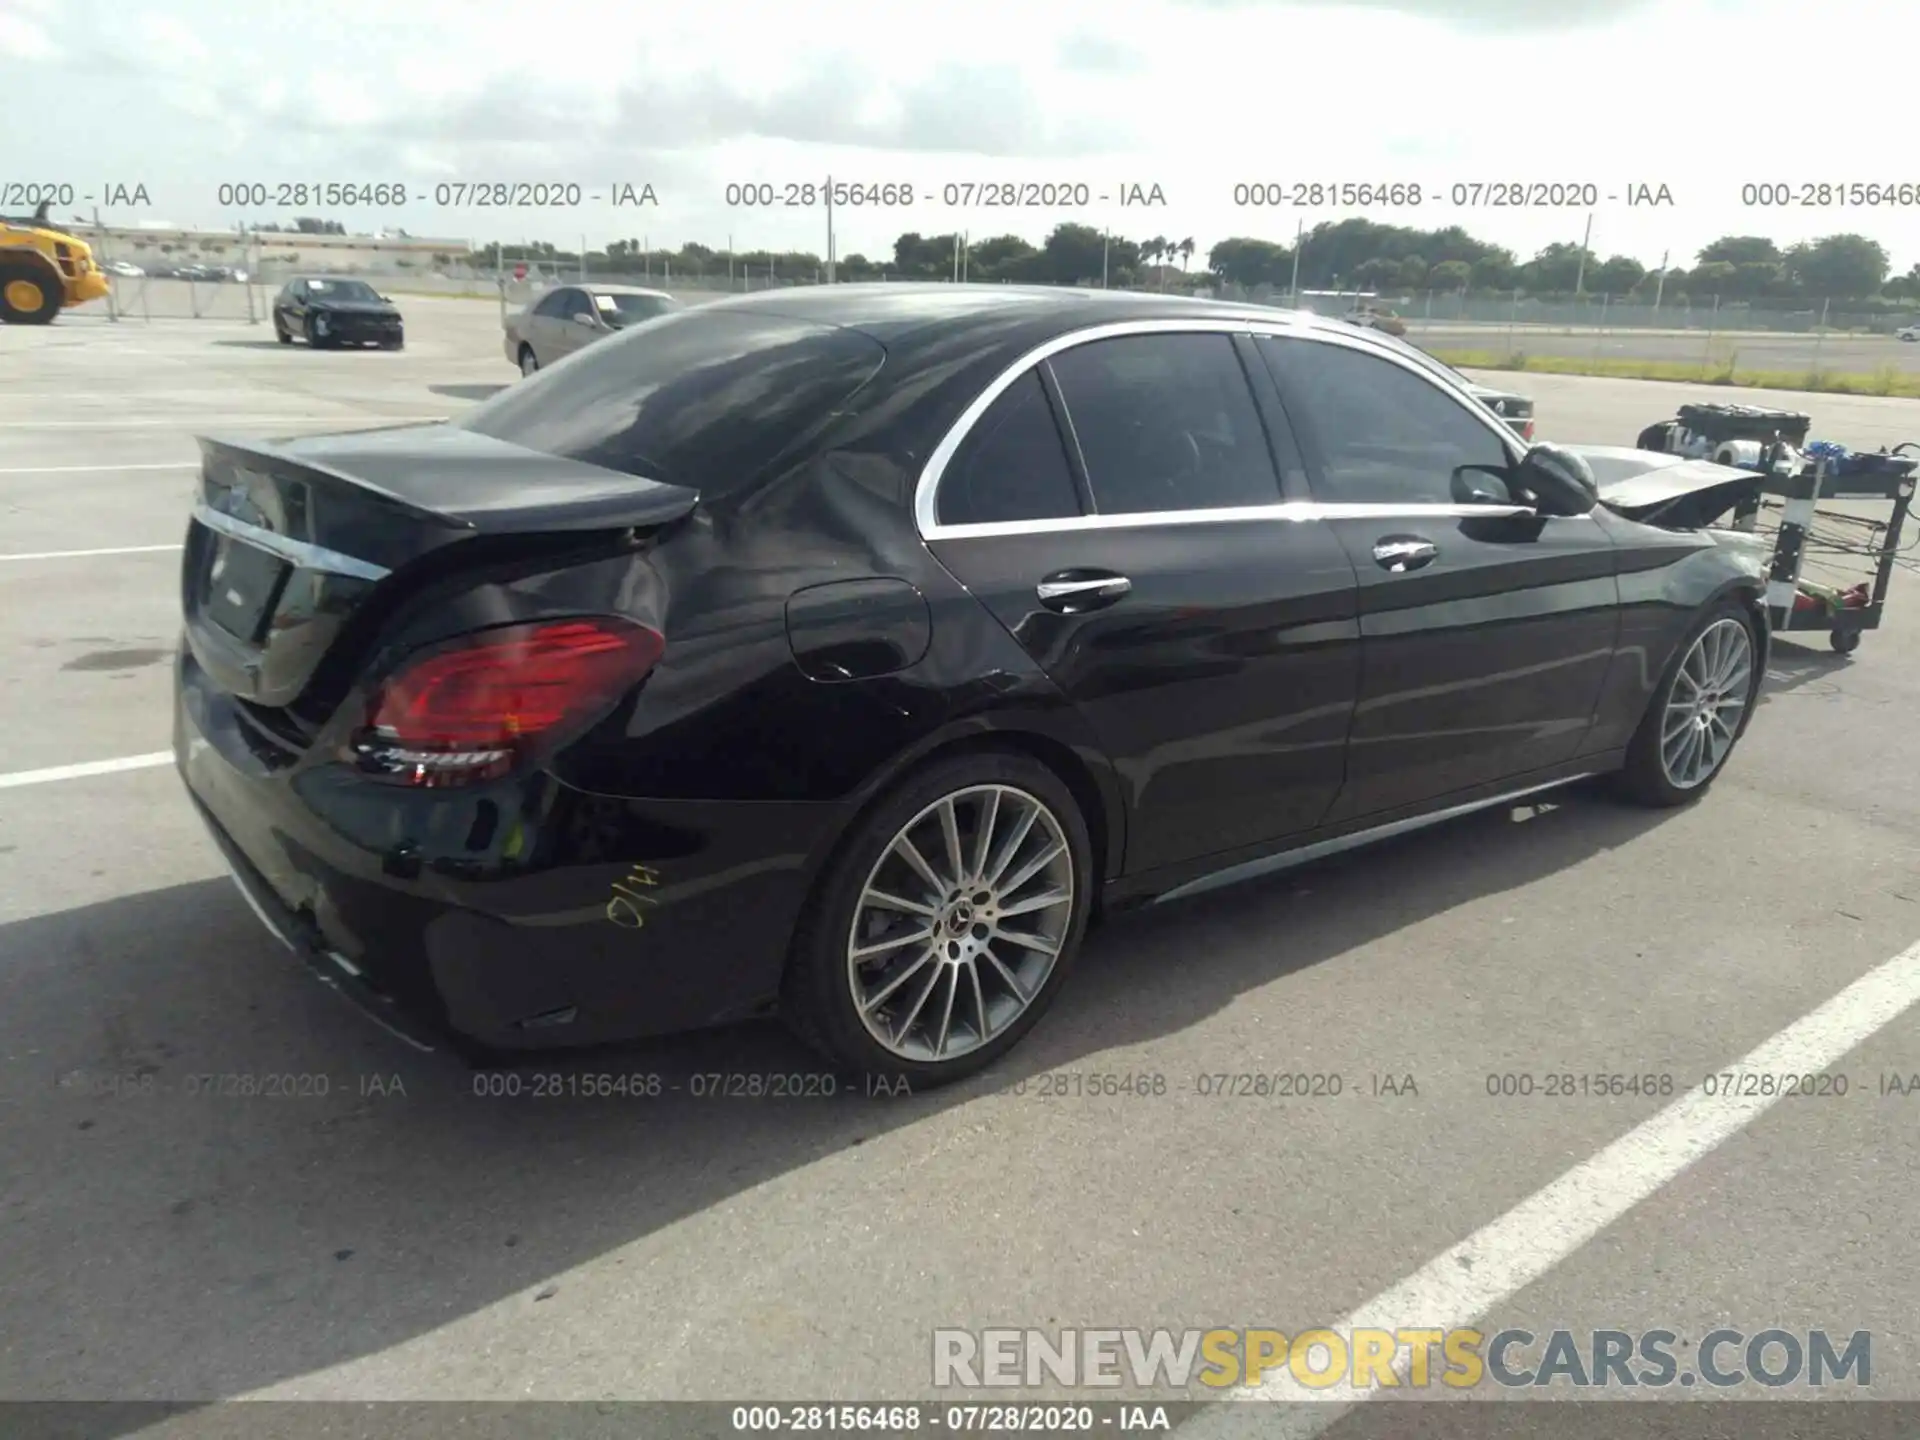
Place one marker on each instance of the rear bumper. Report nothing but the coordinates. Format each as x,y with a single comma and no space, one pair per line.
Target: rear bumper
502,918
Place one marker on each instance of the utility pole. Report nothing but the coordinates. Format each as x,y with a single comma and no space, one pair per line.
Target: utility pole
966,253
1660,285
829,229
1580,276
1106,243
1299,244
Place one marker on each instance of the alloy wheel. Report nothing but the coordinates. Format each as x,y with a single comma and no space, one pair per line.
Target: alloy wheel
960,922
1705,703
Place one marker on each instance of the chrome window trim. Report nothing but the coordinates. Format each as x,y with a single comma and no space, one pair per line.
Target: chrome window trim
1295,510
926,490
302,555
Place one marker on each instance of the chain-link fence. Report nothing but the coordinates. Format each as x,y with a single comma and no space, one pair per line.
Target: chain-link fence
1805,347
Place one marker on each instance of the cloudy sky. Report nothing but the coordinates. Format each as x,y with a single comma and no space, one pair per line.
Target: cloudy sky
1701,96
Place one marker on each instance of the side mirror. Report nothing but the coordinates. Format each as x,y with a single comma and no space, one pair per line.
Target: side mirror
1562,481
1480,485
583,318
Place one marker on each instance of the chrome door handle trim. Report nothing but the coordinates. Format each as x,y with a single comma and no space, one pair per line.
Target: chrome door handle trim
1106,585
1396,553
1403,550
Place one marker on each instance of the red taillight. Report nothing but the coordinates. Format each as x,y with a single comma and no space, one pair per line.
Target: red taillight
1526,429
469,712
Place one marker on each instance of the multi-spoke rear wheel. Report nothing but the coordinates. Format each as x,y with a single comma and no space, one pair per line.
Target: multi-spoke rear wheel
948,923
1698,712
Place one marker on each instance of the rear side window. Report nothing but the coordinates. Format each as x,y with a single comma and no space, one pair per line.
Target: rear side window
707,400
1166,422
1012,465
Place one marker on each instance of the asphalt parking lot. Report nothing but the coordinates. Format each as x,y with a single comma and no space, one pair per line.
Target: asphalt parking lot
388,1233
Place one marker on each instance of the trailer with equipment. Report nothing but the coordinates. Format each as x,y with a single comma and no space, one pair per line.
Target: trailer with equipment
1794,504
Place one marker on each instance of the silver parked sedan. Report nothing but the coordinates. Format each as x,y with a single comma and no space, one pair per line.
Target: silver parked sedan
563,320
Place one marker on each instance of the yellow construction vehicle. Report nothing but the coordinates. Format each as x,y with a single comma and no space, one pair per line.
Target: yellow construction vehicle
43,270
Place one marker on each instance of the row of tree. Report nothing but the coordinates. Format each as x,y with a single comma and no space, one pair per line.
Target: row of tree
1344,254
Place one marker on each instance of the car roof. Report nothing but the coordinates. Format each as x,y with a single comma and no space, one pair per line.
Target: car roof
891,311
601,288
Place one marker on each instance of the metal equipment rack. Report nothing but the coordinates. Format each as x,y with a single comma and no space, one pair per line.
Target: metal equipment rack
1805,530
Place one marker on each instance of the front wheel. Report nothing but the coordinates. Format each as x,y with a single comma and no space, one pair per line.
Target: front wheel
529,362
28,296
1698,711
947,924
1844,639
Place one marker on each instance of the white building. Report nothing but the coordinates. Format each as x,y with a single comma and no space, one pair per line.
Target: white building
269,253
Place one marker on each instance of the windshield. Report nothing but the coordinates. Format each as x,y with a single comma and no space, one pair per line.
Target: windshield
618,310
342,290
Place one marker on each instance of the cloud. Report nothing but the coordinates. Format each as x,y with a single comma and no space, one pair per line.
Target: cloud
1088,52
24,39
1507,17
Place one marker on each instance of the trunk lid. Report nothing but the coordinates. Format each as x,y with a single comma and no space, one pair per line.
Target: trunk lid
290,539
1667,490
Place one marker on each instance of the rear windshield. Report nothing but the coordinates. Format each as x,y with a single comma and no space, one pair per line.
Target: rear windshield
702,398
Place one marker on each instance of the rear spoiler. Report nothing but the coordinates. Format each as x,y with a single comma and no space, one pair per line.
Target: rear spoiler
449,477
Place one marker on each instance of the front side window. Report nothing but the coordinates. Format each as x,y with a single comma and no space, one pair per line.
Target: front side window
1386,435
1165,423
1012,465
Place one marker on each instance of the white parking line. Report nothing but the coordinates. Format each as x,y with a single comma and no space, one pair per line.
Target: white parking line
1463,1284
91,469
85,554
80,772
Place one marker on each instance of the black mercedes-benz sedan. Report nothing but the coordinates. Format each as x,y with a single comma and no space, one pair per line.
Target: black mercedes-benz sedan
328,312
837,653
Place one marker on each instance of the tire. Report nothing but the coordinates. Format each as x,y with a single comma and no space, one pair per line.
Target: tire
280,331
314,341
818,998
27,296
1844,639
529,362
1654,780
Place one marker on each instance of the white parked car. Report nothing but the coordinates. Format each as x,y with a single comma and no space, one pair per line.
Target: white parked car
123,268
1911,332
566,318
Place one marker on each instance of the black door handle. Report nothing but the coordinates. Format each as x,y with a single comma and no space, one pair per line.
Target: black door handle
1071,592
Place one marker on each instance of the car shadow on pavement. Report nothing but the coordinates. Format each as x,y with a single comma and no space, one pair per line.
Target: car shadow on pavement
1792,666
267,344
467,392
184,1226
